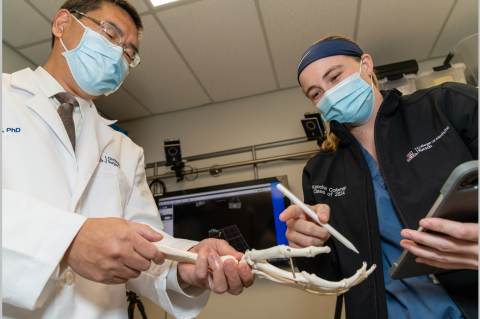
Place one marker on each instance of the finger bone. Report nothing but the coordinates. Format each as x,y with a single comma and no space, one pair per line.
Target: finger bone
345,283
283,251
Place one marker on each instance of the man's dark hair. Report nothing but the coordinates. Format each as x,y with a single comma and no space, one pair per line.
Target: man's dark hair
86,6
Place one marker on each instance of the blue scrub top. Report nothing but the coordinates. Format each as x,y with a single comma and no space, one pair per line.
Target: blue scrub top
416,297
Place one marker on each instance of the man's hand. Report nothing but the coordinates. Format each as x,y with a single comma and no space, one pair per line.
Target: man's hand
222,276
302,231
460,251
113,250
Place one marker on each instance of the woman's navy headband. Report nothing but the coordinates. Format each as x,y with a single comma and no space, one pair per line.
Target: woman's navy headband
325,49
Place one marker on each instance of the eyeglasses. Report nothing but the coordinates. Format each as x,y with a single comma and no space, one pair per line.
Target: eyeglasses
113,38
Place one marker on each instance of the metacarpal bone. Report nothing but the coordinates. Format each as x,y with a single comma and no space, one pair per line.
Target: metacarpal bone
283,251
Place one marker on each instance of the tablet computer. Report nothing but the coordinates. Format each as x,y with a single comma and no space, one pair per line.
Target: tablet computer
458,201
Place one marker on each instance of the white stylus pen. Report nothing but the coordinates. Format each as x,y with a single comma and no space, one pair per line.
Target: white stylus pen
310,213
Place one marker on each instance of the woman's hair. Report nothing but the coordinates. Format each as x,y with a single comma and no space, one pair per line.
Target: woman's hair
330,145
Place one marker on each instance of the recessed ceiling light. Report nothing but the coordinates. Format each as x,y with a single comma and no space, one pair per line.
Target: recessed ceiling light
160,2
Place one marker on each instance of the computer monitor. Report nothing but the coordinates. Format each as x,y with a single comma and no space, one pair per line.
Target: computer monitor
245,214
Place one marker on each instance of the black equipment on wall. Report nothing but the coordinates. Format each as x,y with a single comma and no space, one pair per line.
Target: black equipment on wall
173,153
178,169
173,156
314,127
395,71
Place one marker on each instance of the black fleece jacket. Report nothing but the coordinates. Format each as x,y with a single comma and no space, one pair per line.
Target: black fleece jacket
419,138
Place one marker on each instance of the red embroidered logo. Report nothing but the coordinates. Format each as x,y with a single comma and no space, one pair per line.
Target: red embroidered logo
410,156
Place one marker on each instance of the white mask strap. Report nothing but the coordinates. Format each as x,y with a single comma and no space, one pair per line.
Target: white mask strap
62,30
78,21
63,44
360,71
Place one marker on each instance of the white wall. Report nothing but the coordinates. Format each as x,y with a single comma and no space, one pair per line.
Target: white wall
12,61
244,122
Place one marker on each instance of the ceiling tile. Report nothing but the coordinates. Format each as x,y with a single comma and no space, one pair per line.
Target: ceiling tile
162,82
38,53
139,5
223,43
394,31
23,24
462,23
51,7
48,7
120,106
292,28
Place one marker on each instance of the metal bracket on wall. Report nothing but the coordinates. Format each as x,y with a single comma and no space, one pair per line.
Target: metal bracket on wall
254,157
216,170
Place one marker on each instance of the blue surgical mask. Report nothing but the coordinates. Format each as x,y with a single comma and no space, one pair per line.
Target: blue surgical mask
97,67
349,102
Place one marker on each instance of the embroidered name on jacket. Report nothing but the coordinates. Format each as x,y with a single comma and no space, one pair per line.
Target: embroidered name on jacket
426,146
329,191
11,130
109,160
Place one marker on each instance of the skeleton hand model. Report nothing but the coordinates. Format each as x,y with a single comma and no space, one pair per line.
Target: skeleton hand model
303,280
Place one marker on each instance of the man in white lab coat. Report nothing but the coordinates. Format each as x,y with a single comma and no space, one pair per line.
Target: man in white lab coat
79,221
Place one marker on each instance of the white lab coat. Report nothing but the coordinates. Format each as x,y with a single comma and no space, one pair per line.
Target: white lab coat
49,191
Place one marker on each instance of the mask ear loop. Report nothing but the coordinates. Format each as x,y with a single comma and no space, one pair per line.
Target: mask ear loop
79,21
62,30
371,76
371,84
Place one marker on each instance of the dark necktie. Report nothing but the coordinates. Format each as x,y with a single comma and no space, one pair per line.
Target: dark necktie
65,110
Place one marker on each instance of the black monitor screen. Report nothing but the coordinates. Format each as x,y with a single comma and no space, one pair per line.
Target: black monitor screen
244,214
